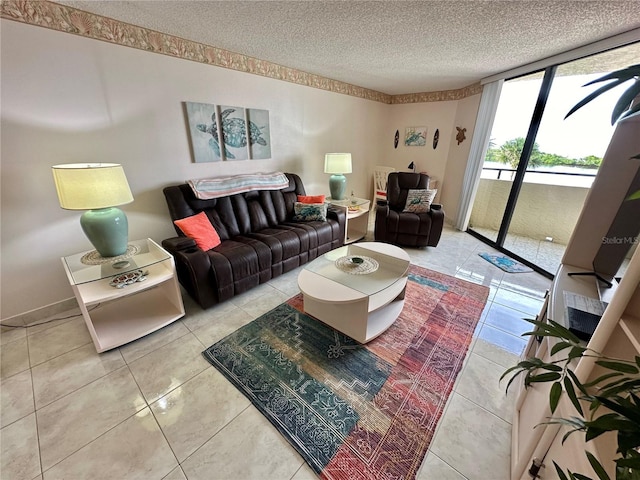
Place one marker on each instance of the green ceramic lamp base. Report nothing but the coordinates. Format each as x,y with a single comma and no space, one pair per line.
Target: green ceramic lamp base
107,229
337,186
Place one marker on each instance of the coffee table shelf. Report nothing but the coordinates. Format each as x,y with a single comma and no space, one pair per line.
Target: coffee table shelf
360,306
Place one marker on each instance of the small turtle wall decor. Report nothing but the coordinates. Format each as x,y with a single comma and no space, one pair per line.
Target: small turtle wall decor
396,139
436,137
460,137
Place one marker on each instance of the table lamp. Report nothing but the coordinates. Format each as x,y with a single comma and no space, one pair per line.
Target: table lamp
97,188
337,164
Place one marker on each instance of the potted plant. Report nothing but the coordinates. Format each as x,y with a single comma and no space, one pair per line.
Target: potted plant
618,389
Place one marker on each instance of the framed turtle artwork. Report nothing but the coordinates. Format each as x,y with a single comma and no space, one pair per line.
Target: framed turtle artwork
209,123
204,132
234,132
259,134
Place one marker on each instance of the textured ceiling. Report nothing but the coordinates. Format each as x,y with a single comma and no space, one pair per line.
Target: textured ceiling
394,47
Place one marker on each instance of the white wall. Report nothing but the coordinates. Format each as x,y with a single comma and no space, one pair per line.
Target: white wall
437,115
68,99
465,117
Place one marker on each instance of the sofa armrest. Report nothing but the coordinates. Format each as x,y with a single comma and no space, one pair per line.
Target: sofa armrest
193,266
436,206
437,224
175,244
339,215
380,226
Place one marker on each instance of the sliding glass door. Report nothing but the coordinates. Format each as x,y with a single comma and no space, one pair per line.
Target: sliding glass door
539,166
513,116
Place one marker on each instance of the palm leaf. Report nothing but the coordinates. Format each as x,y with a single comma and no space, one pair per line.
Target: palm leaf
624,102
593,95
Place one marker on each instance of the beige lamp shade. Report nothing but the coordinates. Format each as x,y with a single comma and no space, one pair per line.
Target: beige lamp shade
337,163
88,186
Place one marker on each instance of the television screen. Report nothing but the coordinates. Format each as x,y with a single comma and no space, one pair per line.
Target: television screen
622,235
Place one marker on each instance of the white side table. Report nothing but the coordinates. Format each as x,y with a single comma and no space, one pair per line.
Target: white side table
357,211
115,316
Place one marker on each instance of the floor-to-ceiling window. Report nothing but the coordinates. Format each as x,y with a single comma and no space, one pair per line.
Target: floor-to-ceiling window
539,166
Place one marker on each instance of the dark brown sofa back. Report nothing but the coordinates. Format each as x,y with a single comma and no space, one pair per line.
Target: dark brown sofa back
237,214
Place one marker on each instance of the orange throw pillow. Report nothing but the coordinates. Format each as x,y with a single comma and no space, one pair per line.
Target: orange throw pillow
200,229
311,198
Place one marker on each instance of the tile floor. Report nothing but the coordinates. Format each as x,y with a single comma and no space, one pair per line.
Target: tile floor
543,253
155,409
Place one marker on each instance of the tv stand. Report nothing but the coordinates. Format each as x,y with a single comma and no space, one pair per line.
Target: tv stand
593,274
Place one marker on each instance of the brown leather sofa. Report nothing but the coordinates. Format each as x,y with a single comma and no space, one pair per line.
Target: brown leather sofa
259,239
405,228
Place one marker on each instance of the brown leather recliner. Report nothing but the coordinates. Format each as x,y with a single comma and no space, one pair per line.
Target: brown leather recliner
405,228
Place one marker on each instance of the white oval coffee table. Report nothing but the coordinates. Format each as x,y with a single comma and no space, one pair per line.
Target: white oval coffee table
361,306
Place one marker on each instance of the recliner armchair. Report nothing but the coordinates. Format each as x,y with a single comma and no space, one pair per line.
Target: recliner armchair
406,228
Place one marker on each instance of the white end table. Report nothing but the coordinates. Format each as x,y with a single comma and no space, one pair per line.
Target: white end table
357,211
115,316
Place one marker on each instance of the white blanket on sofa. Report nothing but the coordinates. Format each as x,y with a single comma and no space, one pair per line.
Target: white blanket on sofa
208,188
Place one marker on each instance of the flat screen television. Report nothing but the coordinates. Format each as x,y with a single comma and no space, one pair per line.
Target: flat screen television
622,235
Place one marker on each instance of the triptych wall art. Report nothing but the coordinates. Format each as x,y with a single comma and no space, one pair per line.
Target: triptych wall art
210,123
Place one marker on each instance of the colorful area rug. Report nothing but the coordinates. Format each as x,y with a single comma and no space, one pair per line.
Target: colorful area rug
357,411
507,264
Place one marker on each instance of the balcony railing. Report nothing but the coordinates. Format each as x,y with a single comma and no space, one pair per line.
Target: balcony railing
512,170
545,214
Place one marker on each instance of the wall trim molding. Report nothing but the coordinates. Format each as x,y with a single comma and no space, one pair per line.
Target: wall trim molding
66,19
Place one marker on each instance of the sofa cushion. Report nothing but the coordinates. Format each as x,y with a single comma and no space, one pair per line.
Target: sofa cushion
309,212
419,200
200,229
311,198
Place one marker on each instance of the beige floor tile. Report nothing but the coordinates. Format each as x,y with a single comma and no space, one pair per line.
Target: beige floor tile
305,472
55,341
508,320
478,270
168,367
287,283
147,344
135,449
480,383
86,414
66,373
195,411
473,441
50,322
19,443
14,357
530,284
218,328
263,304
197,318
249,447
252,295
9,334
16,398
433,468
498,346
176,474
517,301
